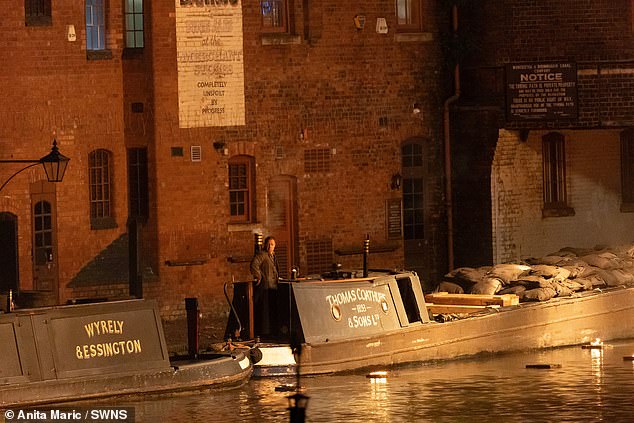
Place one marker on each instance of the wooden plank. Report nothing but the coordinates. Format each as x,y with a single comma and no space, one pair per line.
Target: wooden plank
472,299
456,309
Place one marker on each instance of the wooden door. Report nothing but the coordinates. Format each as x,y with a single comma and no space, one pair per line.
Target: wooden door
281,214
413,191
8,252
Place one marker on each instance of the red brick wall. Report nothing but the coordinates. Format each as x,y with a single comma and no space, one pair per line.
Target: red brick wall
336,85
598,37
50,90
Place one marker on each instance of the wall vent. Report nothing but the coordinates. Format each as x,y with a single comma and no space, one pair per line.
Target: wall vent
319,256
196,153
279,152
317,160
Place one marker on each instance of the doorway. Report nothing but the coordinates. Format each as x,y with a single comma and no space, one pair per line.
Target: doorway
8,252
282,218
413,191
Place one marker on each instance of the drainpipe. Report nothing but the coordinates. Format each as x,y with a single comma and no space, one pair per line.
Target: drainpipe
447,140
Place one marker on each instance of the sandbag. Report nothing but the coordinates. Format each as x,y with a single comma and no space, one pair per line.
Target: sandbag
573,285
488,286
513,289
586,283
538,294
550,272
534,281
562,290
508,273
449,287
576,268
620,277
604,260
466,277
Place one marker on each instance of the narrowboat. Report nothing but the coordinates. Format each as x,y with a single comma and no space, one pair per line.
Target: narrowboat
86,351
374,320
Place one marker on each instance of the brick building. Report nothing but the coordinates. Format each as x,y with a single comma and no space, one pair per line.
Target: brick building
193,125
543,132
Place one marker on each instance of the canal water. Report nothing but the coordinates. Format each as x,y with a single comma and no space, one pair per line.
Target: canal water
583,385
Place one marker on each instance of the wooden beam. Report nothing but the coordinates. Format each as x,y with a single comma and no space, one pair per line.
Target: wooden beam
456,309
472,299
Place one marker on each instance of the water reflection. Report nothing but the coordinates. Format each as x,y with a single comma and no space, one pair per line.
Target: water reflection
591,385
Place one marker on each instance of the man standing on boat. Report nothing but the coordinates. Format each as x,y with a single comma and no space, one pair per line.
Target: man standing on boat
266,273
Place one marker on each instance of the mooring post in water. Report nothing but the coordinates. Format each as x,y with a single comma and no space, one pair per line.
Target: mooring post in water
258,244
366,252
135,278
10,305
298,402
191,306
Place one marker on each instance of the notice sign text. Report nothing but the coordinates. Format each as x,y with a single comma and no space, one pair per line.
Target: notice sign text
541,91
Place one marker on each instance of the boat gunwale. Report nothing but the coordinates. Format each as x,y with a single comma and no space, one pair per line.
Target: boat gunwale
323,367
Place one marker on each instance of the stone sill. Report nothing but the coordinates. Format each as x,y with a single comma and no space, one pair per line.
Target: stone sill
99,54
558,212
244,227
627,208
274,39
413,37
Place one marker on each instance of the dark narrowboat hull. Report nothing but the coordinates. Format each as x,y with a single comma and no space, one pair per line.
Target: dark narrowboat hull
607,315
218,373
79,352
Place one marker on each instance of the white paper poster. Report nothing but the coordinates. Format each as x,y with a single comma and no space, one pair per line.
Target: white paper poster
209,43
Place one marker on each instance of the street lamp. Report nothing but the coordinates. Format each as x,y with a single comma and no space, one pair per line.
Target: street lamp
54,164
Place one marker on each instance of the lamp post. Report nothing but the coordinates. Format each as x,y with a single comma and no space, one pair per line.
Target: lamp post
54,164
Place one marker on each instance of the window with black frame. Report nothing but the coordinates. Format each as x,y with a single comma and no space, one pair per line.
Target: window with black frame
408,16
274,15
134,25
37,13
95,25
100,185
242,189
554,176
413,194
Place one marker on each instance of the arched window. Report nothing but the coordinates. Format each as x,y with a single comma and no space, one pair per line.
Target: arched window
242,189
43,232
100,183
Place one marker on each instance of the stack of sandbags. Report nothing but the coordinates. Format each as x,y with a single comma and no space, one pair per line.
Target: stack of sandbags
559,274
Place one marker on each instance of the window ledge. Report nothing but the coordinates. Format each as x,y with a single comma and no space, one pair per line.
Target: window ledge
187,262
627,208
558,212
413,37
244,227
98,54
132,52
274,39
103,223
38,21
